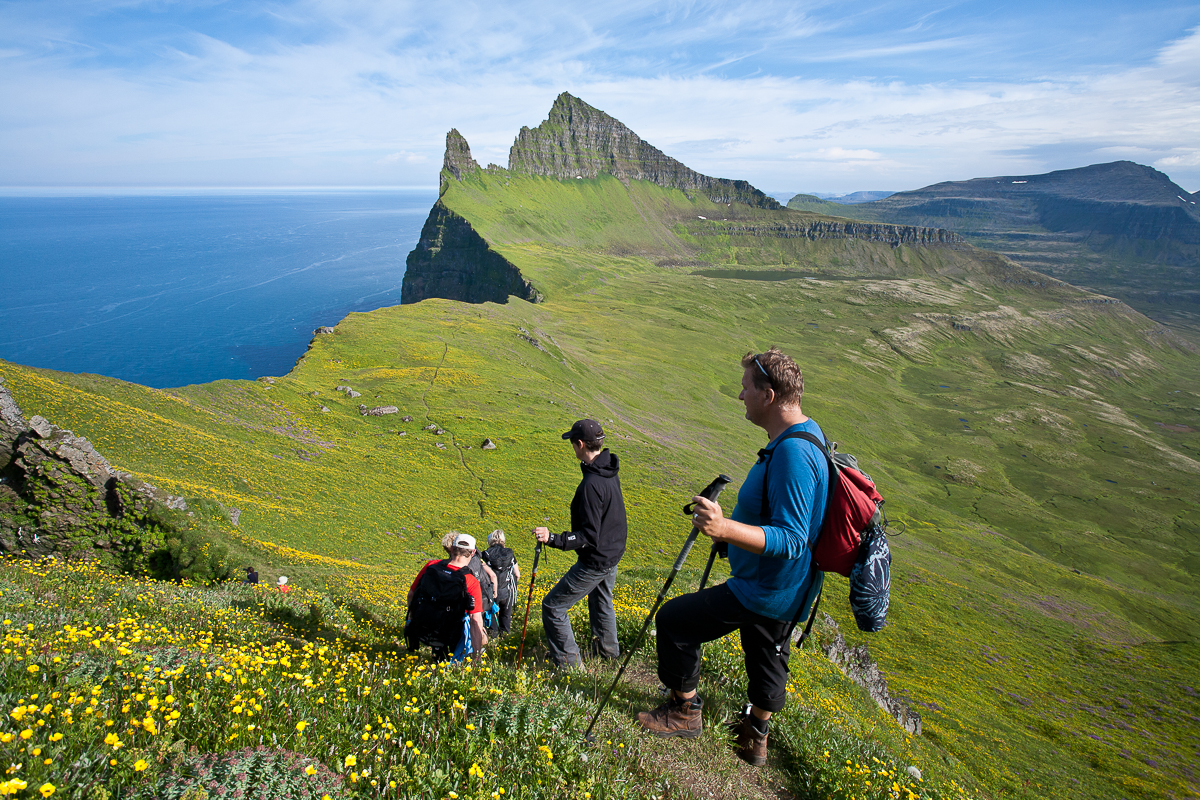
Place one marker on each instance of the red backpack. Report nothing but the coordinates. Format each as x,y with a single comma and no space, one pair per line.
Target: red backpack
852,509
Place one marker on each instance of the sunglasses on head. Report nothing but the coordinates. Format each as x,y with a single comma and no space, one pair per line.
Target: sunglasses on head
764,372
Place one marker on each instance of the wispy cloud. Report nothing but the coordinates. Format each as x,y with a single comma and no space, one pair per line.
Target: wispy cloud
797,95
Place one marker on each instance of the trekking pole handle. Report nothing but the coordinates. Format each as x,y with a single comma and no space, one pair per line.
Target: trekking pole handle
710,492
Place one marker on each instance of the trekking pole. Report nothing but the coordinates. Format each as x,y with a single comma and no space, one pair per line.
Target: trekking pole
537,552
711,492
718,549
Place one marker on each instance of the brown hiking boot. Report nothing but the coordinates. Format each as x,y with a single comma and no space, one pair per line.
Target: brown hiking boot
751,745
675,717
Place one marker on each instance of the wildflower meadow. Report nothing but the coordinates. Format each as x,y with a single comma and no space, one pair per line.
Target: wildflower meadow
123,687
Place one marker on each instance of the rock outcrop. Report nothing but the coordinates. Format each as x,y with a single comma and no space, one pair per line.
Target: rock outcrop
378,411
58,495
579,141
856,663
452,260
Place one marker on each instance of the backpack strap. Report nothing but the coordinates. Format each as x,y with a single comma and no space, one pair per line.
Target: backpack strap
765,455
765,517
432,565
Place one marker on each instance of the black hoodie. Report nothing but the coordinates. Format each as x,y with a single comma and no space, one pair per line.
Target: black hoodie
598,520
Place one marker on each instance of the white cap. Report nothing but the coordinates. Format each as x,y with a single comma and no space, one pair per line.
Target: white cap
465,540
282,580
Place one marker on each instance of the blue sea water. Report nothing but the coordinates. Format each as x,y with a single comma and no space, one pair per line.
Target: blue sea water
169,291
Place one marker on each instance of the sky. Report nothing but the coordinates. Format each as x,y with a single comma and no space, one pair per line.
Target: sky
793,96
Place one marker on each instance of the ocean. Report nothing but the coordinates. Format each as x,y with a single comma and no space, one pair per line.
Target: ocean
170,291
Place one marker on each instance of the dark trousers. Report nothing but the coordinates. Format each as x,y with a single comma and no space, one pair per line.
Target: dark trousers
688,621
503,620
597,586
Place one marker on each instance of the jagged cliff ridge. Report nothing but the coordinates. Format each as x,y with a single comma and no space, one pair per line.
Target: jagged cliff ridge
482,212
451,259
579,141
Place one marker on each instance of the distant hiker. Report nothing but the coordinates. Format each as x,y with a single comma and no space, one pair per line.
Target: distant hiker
445,604
503,562
771,584
282,584
489,584
598,531
251,575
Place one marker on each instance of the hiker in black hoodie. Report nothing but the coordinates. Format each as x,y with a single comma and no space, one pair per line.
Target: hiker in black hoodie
597,535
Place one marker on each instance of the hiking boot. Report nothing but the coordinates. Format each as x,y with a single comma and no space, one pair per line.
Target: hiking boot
751,744
676,717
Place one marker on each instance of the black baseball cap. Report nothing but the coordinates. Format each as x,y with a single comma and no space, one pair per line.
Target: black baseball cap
585,430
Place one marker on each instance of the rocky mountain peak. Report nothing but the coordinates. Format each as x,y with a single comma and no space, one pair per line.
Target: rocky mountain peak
458,156
580,141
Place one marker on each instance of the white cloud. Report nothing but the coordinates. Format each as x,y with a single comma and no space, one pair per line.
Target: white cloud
839,154
1191,159
365,93
407,158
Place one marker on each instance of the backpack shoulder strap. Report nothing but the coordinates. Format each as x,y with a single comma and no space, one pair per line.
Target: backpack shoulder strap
766,453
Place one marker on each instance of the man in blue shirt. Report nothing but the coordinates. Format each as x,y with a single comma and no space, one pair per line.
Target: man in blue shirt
772,580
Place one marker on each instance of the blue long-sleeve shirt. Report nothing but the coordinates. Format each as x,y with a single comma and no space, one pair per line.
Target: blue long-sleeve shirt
776,583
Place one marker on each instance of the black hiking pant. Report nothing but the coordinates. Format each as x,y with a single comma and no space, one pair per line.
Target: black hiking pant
690,620
503,620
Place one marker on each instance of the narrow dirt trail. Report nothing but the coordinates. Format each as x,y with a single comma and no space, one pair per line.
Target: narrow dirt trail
453,439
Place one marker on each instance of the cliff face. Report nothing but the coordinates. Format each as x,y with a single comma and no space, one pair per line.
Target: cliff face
577,140
452,261
895,235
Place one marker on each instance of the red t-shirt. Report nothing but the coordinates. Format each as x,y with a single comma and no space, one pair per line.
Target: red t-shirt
472,586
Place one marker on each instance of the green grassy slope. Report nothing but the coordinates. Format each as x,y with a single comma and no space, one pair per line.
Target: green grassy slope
1038,448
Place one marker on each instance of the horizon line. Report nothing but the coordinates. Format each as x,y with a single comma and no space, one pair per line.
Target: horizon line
169,190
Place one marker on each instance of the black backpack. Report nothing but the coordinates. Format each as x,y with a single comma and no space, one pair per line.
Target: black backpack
436,615
502,559
485,583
